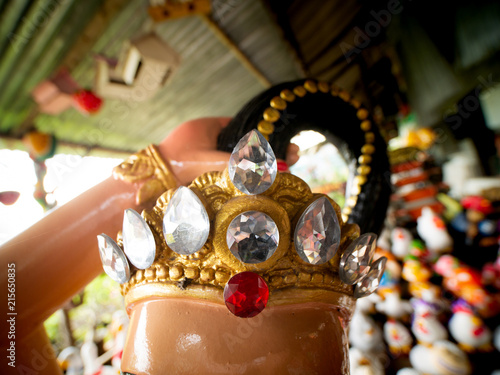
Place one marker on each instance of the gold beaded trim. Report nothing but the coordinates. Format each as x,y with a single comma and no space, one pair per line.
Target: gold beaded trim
279,103
148,169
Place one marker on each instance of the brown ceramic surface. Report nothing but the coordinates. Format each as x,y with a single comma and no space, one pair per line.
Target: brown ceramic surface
168,336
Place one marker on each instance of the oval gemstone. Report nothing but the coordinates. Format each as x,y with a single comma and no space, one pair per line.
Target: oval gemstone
252,237
185,224
138,240
371,281
246,294
252,165
114,261
317,234
356,259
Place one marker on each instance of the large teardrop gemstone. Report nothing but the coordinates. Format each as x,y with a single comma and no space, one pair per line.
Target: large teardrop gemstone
317,234
356,259
252,165
371,281
185,225
138,240
114,261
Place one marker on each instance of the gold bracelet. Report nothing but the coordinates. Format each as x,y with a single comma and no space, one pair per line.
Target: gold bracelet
148,168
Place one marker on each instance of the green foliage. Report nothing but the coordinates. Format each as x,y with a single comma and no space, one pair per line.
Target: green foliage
100,299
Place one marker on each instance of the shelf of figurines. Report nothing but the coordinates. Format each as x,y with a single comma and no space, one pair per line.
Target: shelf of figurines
437,309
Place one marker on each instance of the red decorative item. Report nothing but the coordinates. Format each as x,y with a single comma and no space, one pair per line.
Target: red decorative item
282,166
477,203
465,282
86,101
246,294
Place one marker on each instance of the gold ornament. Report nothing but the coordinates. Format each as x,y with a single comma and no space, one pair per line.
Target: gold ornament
203,275
323,87
271,115
300,91
148,169
287,95
311,86
265,127
278,103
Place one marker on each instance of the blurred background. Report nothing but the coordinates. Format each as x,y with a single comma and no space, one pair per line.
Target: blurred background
85,83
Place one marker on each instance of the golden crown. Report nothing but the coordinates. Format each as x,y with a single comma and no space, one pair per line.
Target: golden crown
240,237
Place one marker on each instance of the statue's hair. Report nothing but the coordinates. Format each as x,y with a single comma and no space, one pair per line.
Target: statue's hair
336,119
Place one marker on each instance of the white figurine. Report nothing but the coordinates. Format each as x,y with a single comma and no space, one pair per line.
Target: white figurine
392,305
89,354
496,338
468,329
362,363
384,240
70,361
366,305
365,334
442,358
397,337
401,240
425,325
408,371
433,231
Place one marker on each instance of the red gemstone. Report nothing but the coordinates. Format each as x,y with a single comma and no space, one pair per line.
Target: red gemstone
246,294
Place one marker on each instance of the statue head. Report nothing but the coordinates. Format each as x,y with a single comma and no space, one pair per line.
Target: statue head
243,271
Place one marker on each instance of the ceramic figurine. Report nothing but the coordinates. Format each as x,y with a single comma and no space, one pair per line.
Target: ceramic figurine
118,328
465,282
392,273
408,371
432,230
401,240
70,361
441,358
425,325
415,270
89,354
366,305
397,337
490,274
468,329
365,334
426,291
496,338
392,305
363,363
476,210
384,240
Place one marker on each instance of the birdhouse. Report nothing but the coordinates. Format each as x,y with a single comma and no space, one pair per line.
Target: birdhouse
144,67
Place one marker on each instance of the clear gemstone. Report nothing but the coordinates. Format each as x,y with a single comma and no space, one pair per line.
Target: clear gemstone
370,283
246,294
252,237
317,235
356,260
114,262
185,225
138,241
252,166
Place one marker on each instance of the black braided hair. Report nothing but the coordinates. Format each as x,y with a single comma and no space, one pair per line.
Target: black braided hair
336,119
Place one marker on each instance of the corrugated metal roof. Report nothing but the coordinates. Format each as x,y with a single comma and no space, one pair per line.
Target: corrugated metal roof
210,81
